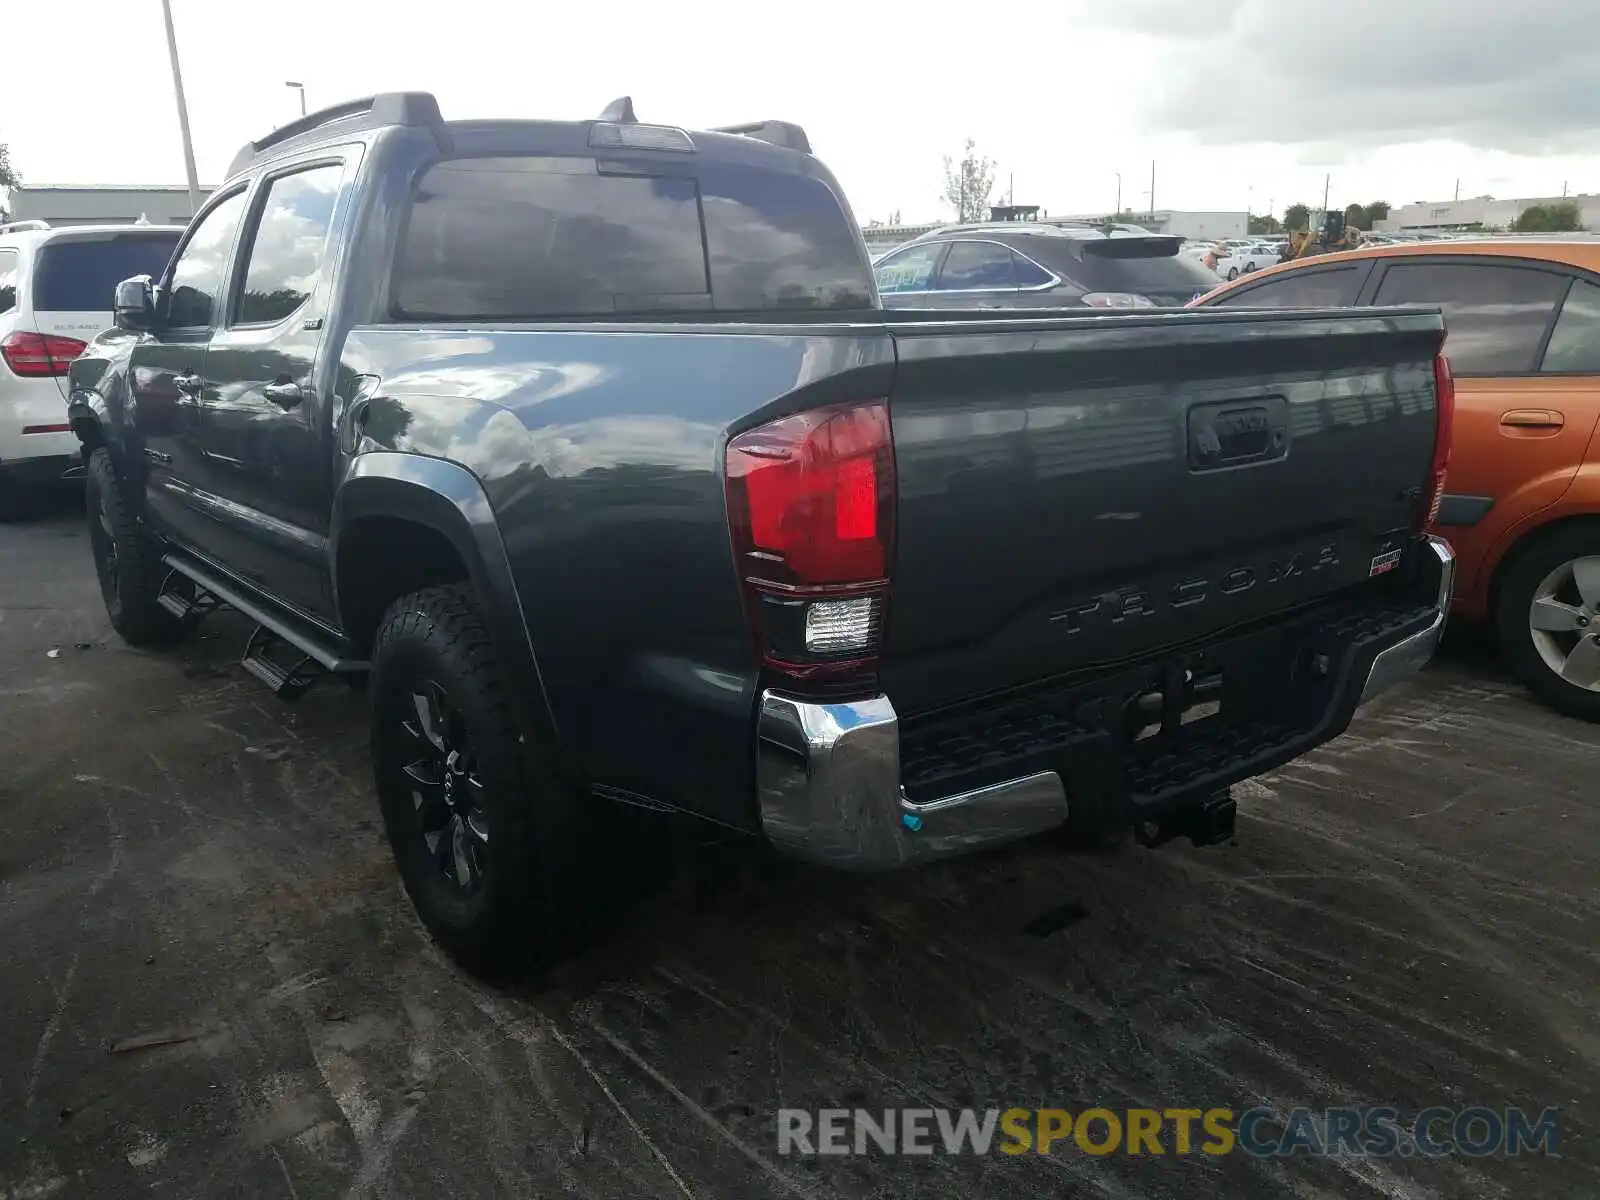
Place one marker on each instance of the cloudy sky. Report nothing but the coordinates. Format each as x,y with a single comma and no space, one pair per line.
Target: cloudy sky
1238,102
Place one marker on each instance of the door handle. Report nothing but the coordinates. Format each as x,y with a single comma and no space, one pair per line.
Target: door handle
284,393
189,385
1532,418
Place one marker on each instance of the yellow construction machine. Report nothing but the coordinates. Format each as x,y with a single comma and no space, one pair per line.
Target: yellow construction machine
1328,233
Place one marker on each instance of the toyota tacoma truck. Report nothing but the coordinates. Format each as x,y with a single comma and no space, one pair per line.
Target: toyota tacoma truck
589,447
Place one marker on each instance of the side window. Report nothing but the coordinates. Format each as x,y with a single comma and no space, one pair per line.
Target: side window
973,266
909,270
195,282
8,280
1575,343
286,254
1329,287
1495,315
522,238
1029,273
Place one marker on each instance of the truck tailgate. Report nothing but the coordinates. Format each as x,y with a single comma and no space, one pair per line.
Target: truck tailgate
1077,492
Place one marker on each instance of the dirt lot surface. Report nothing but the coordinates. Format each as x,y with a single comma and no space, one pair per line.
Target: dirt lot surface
211,985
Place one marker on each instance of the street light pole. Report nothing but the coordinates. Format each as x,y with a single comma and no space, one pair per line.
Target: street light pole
183,109
301,88
1119,192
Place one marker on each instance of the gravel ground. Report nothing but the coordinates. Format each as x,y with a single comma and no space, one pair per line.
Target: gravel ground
212,986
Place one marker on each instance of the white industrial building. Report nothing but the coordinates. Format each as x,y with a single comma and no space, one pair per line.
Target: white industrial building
75,204
1481,211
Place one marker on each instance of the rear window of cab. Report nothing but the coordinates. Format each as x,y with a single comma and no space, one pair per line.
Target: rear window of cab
518,238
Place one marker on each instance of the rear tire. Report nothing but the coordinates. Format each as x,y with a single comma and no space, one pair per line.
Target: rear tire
127,559
1537,651
489,841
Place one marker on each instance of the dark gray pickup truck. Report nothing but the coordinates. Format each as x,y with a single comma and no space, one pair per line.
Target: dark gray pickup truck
589,446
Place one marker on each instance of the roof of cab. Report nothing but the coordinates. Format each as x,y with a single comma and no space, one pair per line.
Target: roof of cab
772,142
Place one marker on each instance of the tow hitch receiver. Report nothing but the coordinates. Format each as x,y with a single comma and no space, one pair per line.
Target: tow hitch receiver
1205,824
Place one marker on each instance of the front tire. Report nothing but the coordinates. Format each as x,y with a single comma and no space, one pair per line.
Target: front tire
1547,621
1233,273
486,837
126,559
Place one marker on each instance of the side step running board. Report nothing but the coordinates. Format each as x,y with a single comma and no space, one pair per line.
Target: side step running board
263,657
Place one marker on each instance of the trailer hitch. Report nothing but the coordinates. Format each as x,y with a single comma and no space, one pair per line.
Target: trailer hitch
1208,823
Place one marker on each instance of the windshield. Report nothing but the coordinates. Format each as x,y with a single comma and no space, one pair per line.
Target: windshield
80,273
1166,273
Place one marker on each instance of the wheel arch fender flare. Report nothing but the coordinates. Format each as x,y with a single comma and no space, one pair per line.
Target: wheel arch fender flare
449,500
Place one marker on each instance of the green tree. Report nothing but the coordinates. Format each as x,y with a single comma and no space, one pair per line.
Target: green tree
1296,218
8,174
967,184
1377,211
1355,217
1264,223
1563,217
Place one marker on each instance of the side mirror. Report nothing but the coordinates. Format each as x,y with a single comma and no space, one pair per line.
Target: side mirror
134,306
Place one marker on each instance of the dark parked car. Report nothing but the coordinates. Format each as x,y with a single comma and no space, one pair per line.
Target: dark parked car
590,445
1013,264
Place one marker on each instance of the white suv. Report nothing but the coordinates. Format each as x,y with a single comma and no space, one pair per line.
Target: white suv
55,294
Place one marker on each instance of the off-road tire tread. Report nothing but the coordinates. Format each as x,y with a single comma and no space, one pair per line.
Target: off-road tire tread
535,817
140,620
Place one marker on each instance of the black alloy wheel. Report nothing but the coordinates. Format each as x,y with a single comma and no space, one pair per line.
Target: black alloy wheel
447,792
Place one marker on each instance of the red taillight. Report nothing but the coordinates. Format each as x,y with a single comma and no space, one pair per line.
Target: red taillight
1444,386
811,502
39,355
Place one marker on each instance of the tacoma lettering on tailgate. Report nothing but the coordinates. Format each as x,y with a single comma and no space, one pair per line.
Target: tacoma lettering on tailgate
1127,604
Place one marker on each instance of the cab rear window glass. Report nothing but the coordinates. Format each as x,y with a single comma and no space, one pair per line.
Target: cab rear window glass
531,237
79,274
513,238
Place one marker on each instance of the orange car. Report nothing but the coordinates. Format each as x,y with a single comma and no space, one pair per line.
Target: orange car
1522,494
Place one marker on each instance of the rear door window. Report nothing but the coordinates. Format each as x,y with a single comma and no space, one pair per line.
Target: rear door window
1029,273
976,266
1324,287
1495,314
80,273
1575,343
8,280
908,270
523,238
287,251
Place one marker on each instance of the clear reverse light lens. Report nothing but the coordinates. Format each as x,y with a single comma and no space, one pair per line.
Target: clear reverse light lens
835,626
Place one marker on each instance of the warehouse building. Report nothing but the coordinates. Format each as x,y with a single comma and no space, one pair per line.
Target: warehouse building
74,204
1479,212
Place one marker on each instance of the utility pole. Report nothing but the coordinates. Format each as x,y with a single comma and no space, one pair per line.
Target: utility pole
1326,180
1118,174
1457,196
1152,189
183,109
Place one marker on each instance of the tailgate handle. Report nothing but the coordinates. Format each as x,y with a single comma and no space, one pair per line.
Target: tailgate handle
1233,433
1533,418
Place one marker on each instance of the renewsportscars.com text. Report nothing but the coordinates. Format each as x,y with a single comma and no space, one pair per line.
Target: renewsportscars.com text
1260,1132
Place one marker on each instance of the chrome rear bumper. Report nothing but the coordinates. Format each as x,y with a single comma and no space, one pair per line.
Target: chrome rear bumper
828,775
